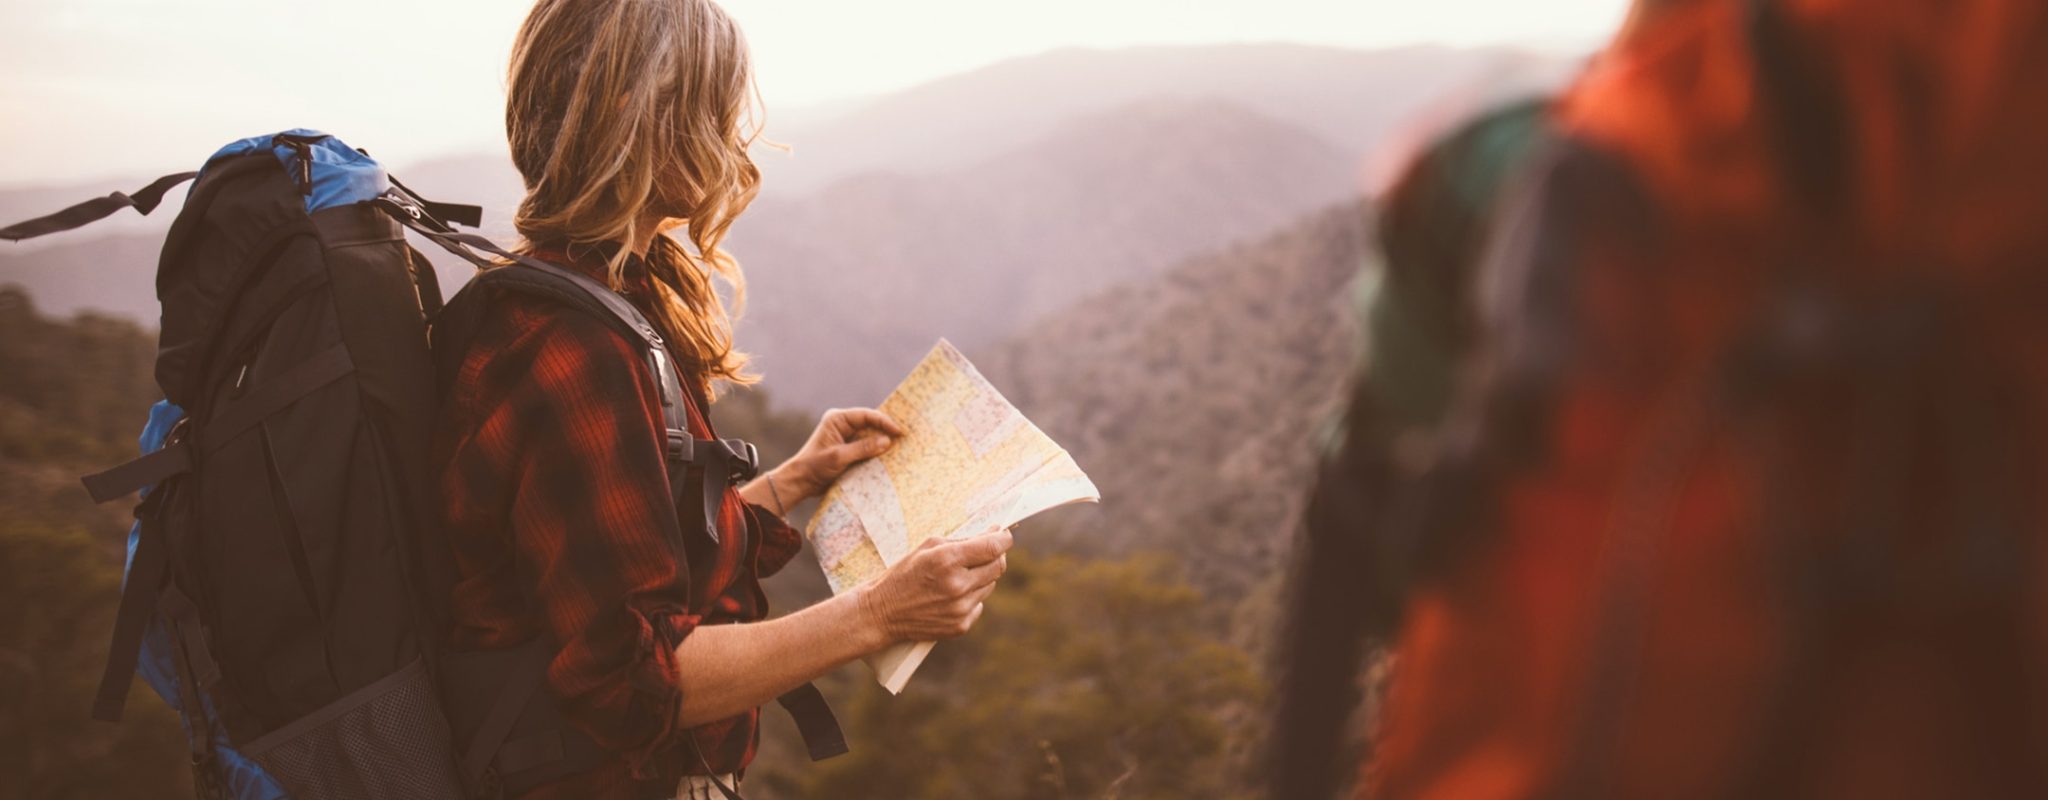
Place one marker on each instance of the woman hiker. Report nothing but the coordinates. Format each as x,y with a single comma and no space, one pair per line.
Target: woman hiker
630,121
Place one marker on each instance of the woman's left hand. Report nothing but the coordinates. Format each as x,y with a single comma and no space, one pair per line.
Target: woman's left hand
845,437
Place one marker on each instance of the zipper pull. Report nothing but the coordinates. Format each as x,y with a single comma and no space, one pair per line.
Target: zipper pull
303,161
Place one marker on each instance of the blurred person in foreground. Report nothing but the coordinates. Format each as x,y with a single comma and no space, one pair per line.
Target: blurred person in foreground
629,119
1722,477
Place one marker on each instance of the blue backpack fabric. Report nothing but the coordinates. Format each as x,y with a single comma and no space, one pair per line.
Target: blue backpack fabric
331,173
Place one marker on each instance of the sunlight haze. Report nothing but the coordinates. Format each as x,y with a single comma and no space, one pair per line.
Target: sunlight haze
115,88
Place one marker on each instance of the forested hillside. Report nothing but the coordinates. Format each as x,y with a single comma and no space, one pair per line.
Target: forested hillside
1125,656
1194,398
72,397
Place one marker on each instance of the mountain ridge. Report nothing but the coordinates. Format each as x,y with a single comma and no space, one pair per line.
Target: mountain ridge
979,252
1351,97
1195,399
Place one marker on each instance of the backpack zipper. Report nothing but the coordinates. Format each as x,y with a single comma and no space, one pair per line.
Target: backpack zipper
302,162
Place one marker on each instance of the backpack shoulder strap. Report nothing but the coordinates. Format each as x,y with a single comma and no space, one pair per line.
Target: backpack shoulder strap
531,275
725,462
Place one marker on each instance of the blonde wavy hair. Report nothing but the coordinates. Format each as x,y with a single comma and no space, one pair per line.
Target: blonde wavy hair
626,114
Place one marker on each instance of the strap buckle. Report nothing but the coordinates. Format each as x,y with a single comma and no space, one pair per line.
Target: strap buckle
396,201
682,447
743,460
207,782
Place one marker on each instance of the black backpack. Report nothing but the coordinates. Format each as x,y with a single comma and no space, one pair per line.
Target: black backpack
285,547
287,586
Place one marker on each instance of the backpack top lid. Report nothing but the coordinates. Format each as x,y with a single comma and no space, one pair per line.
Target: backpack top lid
329,171
252,197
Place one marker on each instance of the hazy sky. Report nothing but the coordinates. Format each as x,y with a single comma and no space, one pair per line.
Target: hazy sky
99,88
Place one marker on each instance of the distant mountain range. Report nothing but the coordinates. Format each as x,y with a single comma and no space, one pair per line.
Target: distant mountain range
112,274
972,207
852,283
1349,98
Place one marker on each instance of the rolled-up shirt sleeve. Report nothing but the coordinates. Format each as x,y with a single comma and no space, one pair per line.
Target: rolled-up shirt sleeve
779,541
594,532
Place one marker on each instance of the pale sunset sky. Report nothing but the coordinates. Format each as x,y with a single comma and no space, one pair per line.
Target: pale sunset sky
116,88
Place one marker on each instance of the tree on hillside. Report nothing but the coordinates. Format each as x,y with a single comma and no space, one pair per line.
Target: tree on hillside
1085,679
71,390
60,591
72,399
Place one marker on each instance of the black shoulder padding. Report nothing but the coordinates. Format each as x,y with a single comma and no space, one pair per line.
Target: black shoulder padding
456,328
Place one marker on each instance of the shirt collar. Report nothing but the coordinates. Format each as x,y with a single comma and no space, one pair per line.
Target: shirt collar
593,259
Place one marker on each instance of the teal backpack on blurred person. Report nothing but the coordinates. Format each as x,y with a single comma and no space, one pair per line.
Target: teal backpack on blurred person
1417,318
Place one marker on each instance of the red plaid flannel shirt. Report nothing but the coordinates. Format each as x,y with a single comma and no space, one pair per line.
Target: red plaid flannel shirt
554,488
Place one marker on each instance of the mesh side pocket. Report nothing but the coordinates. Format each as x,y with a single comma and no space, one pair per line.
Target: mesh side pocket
386,740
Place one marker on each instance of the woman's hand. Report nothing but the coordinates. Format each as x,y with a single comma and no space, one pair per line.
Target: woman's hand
936,592
933,593
845,437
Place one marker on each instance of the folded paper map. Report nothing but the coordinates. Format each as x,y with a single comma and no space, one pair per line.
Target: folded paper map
968,464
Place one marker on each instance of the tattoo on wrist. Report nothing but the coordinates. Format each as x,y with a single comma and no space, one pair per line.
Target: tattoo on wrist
781,509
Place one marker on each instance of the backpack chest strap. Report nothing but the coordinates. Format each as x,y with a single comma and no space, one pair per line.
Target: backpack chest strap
725,463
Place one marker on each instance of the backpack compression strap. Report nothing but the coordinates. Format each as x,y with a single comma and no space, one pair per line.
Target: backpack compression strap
144,200
149,570
147,198
236,418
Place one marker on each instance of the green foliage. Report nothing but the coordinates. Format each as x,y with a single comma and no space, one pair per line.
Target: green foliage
70,391
1086,678
72,399
60,589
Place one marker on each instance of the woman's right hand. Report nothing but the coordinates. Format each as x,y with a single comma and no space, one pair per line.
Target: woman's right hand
936,592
